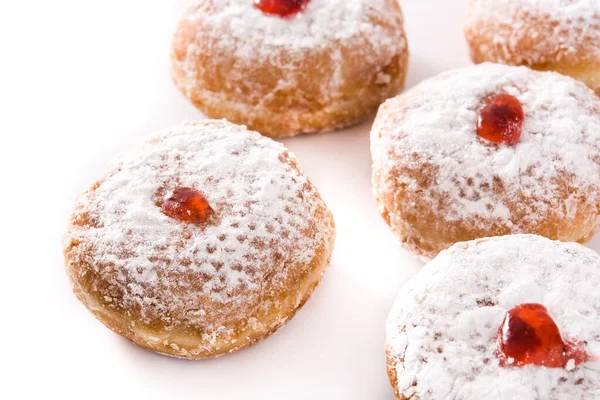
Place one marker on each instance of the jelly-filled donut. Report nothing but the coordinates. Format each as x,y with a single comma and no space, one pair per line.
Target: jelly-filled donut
202,241
512,317
489,150
558,35
285,67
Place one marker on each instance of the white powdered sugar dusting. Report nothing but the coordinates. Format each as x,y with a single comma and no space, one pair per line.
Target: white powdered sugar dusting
267,216
434,126
237,29
441,331
557,29
250,33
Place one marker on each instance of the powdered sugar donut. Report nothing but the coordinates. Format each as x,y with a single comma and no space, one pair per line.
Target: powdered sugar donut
201,241
328,65
446,329
438,180
558,35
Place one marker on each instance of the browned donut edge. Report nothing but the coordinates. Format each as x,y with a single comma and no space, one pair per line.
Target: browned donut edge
532,49
293,300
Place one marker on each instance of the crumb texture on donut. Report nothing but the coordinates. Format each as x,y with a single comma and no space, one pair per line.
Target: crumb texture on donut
437,182
329,66
441,330
559,35
198,291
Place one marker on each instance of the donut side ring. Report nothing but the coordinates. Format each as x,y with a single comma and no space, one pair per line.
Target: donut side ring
392,363
424,231
191,344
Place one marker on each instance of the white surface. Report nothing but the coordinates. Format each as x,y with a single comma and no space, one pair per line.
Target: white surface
81,81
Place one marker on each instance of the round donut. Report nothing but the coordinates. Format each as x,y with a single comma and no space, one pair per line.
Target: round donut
557,35
205,287
437,182
328,66
442,330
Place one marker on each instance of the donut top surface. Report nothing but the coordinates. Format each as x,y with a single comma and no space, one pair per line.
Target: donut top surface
441,331
556,28
266,217
433,129
249,33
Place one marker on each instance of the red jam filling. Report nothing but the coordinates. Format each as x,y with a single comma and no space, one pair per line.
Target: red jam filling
187,204
501,121
282,8
528,335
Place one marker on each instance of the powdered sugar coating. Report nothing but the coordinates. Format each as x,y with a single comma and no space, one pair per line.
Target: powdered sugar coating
249,34
424,143
253,34
230,58
441,330
536,31
268,225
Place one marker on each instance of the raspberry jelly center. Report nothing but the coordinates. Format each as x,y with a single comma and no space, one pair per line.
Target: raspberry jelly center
187,204
501,121
528,335
282,8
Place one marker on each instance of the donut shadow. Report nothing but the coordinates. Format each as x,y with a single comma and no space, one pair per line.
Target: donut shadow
594,244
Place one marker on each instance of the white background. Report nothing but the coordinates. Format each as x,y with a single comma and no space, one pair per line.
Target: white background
80,81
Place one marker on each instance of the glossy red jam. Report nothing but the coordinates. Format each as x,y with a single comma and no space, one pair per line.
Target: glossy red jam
501,121
282,8
187,204
528,335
